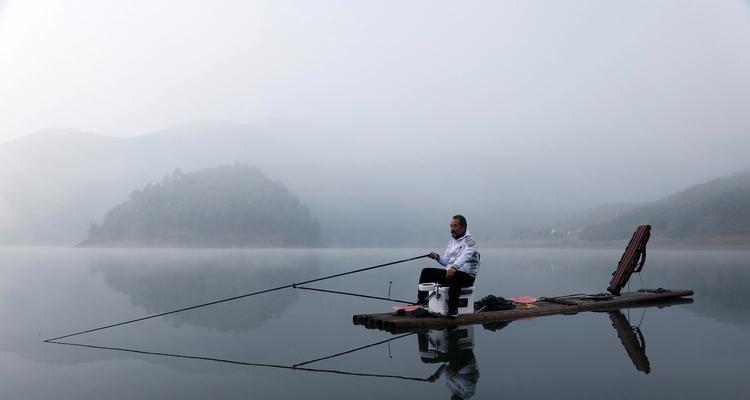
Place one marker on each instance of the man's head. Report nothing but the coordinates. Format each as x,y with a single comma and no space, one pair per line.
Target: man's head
458,226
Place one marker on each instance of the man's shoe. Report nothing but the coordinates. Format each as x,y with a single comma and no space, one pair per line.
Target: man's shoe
452,314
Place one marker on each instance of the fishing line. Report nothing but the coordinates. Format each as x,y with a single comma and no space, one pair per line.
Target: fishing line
353,350
642,315
236,297
643,285
353,294
221,360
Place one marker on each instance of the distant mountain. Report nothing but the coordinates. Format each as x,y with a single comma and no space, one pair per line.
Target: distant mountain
570,227
716,209
366,191
53,184
228,206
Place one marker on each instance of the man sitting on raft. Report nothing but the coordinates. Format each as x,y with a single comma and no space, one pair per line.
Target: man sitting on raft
461,262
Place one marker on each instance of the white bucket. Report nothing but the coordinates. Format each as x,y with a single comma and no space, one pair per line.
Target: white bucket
438,299
438,341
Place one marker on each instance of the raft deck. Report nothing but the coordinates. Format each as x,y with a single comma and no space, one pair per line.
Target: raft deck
546,306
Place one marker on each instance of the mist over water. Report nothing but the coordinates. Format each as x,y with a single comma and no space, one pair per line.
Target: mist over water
367,125
691,350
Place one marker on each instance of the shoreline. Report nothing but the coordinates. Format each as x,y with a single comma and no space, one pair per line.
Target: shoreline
654,244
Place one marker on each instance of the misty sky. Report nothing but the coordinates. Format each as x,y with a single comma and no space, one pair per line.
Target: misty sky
576,90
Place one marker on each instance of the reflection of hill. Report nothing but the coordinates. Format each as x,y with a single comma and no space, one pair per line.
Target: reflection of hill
160,285
721,281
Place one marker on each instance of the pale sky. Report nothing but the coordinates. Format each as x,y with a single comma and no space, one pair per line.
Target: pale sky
517,105
521,79
128,68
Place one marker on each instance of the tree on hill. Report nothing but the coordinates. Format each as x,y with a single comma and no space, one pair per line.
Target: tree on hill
718,208
226,206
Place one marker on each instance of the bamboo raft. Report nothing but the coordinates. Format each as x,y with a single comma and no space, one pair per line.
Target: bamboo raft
563,305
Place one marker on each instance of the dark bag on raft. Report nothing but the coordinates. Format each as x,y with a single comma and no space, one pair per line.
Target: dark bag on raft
492,303
629,262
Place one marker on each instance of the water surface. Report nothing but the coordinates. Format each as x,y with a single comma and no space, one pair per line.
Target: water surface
692,351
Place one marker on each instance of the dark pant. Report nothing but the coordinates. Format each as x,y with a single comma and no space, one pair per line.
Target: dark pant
437,275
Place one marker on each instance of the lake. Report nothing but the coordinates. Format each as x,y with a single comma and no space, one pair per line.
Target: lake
246,348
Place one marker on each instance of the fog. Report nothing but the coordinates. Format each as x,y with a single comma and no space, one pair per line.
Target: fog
384,117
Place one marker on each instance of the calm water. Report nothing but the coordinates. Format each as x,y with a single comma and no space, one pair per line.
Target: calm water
692,351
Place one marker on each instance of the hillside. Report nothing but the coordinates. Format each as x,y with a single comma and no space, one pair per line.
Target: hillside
228,206
54,183
570,227
712,210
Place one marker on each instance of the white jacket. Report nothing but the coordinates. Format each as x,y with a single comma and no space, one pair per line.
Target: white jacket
463,254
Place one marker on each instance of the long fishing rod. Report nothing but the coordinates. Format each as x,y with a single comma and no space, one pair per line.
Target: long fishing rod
237,297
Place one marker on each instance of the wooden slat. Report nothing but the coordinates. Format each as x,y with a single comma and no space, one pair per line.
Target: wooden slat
389,322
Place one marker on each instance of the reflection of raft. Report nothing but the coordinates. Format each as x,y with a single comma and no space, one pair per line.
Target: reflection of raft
632,339
549,306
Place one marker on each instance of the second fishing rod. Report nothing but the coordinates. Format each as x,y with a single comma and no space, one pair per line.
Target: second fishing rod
291,285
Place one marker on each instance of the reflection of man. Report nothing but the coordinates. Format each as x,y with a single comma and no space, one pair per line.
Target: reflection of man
461,262
459,365
461,377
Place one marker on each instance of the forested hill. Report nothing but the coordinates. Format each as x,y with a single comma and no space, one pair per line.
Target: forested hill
713,210
227,206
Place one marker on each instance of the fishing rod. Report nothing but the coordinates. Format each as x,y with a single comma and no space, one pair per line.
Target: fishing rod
292,285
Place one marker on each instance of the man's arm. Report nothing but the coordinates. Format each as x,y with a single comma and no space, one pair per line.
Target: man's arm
442,260
440,370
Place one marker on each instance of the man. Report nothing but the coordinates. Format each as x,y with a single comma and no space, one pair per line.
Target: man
461,262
